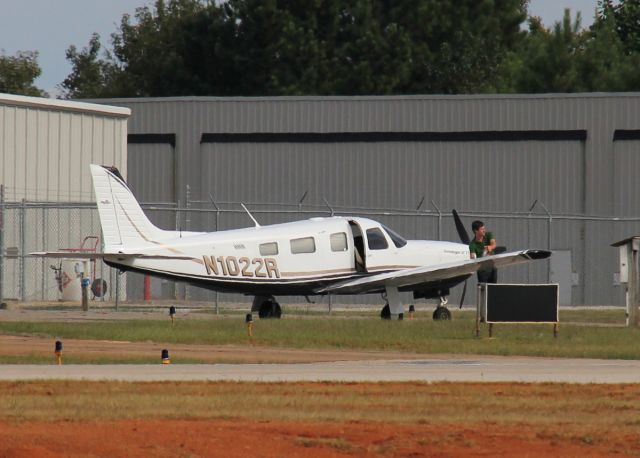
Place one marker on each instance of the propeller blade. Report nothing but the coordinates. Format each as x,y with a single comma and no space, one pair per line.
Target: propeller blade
462,232
464,293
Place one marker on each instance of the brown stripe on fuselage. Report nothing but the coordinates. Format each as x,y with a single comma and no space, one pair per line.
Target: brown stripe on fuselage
340,271
317,272
390,268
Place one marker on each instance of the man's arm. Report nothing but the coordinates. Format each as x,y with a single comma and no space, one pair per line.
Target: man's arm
492,244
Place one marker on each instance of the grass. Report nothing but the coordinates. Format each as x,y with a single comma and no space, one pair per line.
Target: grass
318,419
602,406
421,335
84,359
337,443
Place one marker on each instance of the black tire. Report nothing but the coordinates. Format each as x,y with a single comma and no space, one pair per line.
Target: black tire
99,287
269,309
441,313
265,310
385,313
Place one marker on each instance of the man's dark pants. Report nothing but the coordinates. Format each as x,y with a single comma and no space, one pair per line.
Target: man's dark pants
488,276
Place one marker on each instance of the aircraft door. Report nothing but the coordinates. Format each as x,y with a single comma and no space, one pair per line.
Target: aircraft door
358,247
373,245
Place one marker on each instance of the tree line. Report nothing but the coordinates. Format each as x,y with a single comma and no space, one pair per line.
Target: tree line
361,47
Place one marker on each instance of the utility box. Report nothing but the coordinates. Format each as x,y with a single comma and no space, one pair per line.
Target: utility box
629,276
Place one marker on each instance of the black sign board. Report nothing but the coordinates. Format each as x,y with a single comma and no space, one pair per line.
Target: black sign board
507,303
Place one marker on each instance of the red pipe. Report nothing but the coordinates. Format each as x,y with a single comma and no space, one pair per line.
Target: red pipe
147,288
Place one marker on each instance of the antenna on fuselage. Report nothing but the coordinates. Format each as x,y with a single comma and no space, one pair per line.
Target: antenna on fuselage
250,215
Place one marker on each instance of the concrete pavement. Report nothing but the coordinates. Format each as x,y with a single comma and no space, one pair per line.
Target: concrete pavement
460,369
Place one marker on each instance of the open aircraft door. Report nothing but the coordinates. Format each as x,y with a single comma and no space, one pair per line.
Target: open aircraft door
373,245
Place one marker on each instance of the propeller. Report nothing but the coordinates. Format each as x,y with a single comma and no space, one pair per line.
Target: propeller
464,238
462,232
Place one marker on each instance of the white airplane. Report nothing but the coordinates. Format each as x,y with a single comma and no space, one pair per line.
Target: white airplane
318,256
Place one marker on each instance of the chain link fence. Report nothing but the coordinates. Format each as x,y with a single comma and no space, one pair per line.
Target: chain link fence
583,263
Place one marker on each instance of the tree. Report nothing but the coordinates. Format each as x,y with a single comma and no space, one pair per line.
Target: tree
323,47
275,47
457,47
153,52
91,77
624,17
18,73
547,60
608,62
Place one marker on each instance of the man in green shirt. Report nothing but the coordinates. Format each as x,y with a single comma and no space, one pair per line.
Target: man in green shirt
483,244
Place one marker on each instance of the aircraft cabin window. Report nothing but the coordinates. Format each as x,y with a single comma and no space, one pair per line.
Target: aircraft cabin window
269,249
376,239
397,239
303,245
338,241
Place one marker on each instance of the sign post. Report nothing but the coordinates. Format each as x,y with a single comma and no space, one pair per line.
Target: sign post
629,275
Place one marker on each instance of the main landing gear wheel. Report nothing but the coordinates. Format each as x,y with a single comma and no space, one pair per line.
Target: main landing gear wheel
385,313
270,309
441,313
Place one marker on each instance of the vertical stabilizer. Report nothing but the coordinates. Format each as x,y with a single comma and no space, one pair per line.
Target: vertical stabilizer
124,224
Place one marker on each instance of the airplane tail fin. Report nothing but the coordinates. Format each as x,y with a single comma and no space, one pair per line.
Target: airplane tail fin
124,224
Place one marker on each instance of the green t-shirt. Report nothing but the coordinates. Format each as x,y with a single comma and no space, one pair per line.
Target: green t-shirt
478,247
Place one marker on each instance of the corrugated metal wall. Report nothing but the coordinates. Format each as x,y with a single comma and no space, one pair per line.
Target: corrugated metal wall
152,179
46,147
562,154
493,177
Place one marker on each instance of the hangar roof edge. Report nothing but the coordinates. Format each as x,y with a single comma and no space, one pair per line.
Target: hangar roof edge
65,105
360,98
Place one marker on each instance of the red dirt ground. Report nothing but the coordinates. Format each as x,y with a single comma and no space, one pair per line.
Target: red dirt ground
238,438
247,438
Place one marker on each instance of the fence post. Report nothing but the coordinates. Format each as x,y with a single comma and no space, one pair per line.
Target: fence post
215,228
533,205
117,288
43,226
1,240
187,226
439,220
304,196
550,221
177,287
102,298
331,212
23,247
633,295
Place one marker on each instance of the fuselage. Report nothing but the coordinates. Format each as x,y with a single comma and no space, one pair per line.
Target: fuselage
289,258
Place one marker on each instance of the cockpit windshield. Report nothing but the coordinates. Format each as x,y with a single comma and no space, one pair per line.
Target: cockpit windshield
397,239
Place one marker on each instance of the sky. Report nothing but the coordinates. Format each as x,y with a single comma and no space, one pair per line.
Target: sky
50,27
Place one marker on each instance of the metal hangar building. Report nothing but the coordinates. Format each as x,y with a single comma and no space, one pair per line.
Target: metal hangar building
46,146
554,171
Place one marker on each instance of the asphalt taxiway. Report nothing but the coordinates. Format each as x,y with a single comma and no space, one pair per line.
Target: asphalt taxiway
459,369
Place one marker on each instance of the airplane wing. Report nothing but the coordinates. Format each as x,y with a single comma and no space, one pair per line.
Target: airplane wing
421,275
86,255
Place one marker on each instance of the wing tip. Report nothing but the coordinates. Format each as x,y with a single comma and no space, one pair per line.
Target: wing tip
537,254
